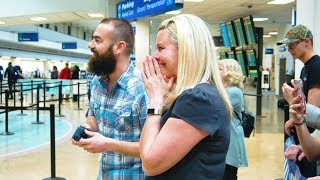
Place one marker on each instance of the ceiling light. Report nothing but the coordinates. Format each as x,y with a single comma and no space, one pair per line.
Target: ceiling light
96,15
38,19
1,22
280,1
5,57
273,33
260,19
193,0
266,36
173,12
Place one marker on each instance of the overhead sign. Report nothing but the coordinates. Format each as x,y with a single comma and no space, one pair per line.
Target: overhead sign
30,36
133,10
268,51
69,45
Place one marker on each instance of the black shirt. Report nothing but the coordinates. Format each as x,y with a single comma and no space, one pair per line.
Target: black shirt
310,74
203,108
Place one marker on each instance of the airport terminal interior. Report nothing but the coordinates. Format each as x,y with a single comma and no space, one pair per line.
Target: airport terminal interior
36,36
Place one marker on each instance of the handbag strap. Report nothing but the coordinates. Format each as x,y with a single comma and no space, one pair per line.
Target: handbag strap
237,115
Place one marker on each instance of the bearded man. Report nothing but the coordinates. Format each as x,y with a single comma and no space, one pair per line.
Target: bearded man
118,105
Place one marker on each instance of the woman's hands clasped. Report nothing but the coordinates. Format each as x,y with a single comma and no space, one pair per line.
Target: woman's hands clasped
157,85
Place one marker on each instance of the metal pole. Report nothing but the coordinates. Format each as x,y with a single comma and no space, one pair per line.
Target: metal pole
78,98
53,146
21,101
1,92
60,100
38,97
7,115
259,66
44,94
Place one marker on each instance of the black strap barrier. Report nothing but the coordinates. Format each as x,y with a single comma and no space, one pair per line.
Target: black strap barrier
37,121
7,115
21,102
60,100
53,146
78,98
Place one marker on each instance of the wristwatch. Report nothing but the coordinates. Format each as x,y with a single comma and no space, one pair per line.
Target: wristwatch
154,111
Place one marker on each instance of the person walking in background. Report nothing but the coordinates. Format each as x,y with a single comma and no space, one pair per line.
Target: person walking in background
118,103
10,73
65,73
75,75
232,78
186,135
75,72
299,40
54,73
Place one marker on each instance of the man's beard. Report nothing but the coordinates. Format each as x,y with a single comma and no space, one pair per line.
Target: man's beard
102,65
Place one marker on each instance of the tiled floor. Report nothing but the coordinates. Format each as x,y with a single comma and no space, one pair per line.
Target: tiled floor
264,150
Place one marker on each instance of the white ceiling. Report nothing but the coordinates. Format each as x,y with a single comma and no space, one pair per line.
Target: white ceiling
213,11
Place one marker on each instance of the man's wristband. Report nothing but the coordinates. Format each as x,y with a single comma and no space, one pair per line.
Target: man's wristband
299,124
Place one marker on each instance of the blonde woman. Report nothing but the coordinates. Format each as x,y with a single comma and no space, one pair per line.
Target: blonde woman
186,134
232,78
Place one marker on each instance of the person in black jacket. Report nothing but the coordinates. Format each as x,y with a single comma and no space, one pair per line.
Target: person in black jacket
10,73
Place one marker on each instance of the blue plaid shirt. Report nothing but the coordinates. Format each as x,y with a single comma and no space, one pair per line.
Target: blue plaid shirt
121,114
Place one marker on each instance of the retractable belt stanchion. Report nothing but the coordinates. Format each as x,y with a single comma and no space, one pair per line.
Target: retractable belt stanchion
38,97
7,115
53,146
31,92
78,98
21,102
14,94
44,94
60,100
1,92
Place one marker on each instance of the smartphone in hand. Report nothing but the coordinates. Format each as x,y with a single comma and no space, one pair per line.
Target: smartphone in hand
299,85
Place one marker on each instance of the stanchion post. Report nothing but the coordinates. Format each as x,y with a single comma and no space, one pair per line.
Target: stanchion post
1,92
44,94
78,97
31,91
7,115
21,101
60,100
38,97
14,94
53,146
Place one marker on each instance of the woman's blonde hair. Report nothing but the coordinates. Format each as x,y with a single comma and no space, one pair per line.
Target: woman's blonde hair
197,60
233,72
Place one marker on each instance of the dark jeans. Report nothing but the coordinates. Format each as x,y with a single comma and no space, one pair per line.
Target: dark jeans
230,173
307,168
10,84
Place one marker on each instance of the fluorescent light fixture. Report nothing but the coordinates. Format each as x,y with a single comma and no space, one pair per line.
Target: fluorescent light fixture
193,0
273,33
280,1
173,12
96,15
266,36
260,19
38,19
5,57
1,22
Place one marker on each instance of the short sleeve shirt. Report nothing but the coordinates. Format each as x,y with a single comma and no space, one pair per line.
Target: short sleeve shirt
203,108
310,74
